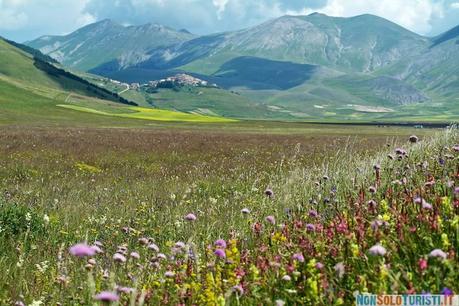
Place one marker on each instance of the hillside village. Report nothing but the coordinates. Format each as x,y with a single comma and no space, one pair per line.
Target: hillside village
177,81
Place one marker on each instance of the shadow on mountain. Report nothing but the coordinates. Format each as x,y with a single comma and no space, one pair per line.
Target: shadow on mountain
451,34
262,74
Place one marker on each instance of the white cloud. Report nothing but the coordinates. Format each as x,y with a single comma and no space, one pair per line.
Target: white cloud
10,18
455,5
220,5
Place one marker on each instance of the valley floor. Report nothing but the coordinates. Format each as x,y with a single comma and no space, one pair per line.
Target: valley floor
236,213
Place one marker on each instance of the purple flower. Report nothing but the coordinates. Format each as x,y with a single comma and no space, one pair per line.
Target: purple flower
220,253
424,203
298,257
319,266
119,257
372,203
153,247
238,289
456,148
135,255
169,274
161,256
376,224
377,250
245,211
447,291
190,217
310,227
438,253
107,296
313,213
456,190
220,243
271,219
126,290
82,250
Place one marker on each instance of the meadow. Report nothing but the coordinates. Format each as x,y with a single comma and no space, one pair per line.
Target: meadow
251,214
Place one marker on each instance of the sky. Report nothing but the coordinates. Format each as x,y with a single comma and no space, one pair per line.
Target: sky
23,20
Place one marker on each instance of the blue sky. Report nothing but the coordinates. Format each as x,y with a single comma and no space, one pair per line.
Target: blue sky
27,19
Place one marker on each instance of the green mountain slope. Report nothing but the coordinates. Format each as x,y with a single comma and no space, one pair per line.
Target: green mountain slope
106,41
359,44
306,68
34,91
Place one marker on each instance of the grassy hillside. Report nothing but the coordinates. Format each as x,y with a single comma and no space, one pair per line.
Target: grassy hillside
31,91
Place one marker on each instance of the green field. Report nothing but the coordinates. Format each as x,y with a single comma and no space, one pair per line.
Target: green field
31,94
149,114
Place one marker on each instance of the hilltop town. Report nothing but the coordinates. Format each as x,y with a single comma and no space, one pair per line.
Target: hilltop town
177,81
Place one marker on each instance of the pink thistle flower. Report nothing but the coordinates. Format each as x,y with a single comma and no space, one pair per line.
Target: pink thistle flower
82,250
153,247
119,257
413,138
126,290
298,257
220,243
340,269
97,249
438,253
143,241
313,214
319,266
271,219
220,253
245,211
286,278
422,264
190,217
310,227
238,289
424,203
179,245
161,256
107,297
135,255
372,204
377,250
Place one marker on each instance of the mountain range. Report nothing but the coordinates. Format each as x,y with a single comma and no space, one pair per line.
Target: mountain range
313,66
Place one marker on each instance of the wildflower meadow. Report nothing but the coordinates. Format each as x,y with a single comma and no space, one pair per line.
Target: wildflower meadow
215,221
